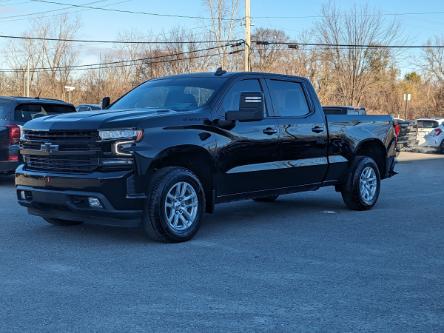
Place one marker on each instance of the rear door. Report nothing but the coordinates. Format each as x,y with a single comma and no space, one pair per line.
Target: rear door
303,142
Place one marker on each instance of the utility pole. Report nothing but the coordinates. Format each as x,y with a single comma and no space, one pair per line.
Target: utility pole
247,66
28,79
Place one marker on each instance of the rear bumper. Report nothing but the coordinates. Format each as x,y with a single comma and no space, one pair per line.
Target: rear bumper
8,166
431,143
65,197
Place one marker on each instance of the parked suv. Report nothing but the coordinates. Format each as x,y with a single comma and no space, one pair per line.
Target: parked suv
430,134
15,112
172,148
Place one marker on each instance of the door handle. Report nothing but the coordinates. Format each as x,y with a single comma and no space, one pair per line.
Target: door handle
270,131
317,129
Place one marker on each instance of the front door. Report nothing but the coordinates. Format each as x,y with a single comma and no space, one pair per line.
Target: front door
247,151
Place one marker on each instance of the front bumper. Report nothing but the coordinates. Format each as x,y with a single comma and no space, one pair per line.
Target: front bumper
65,196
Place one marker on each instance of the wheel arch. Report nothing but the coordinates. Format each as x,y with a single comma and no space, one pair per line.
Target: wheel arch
196,159
375,149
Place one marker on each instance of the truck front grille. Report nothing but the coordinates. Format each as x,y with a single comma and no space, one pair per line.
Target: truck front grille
60,135
53,163
68,151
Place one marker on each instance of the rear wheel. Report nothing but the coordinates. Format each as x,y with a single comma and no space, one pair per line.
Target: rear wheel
175,205
441,147
271,198
62,223
361,190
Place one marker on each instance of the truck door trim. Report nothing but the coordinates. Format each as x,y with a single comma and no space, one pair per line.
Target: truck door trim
306,162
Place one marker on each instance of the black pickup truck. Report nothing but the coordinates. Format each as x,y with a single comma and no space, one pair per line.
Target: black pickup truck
172,148
15,112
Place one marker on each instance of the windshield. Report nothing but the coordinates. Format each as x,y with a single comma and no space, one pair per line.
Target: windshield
178,94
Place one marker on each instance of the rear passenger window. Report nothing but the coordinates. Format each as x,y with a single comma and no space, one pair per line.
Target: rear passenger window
288,98
26,112
232,98
427,123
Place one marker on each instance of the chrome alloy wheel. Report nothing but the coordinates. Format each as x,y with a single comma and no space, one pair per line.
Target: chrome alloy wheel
181,205
368,184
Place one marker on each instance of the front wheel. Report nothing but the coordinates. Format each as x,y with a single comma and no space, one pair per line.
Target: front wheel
361,190
174,206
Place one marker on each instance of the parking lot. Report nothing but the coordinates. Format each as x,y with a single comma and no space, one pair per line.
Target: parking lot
304,263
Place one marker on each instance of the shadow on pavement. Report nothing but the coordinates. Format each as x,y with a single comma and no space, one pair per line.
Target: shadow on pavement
226,217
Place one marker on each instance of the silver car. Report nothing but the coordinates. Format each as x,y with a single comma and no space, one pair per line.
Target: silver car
430,134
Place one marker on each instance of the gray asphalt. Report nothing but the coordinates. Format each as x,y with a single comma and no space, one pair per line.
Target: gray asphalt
304,263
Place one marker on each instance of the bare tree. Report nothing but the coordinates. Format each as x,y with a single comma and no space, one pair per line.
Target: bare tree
354,67
434,60
223,26
49,61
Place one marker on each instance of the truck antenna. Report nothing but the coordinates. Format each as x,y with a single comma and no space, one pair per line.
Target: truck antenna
220,71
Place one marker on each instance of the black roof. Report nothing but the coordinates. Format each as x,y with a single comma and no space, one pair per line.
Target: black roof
226,75
19,99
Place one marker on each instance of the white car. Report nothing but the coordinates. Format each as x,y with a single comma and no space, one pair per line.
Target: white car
430,134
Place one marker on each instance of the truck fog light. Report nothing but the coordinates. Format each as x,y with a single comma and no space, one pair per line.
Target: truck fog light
94,203
25,195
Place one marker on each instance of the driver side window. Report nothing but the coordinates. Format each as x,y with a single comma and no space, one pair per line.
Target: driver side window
232,98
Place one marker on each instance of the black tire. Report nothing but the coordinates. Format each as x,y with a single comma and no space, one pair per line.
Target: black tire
271,198
441,147
61,223
154,221
351,193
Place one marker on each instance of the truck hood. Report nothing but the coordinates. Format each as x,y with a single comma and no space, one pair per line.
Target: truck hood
93,120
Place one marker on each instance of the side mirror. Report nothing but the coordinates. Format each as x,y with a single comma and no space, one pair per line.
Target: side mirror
106,101
251,108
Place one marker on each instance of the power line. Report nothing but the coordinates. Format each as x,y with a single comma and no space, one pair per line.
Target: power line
46,11
70,10
367,46
125,11
364,15
128,62
115,41
127,65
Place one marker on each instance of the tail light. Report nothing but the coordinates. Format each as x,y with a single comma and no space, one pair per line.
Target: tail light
14,134
14,138
438,131
397,130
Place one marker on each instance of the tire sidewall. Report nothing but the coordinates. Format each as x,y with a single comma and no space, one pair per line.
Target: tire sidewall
171,233
360,166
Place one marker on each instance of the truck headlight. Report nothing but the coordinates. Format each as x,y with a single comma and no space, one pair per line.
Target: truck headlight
123,148
121,134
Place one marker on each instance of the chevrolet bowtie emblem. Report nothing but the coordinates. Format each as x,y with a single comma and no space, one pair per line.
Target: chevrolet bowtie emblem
49,148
